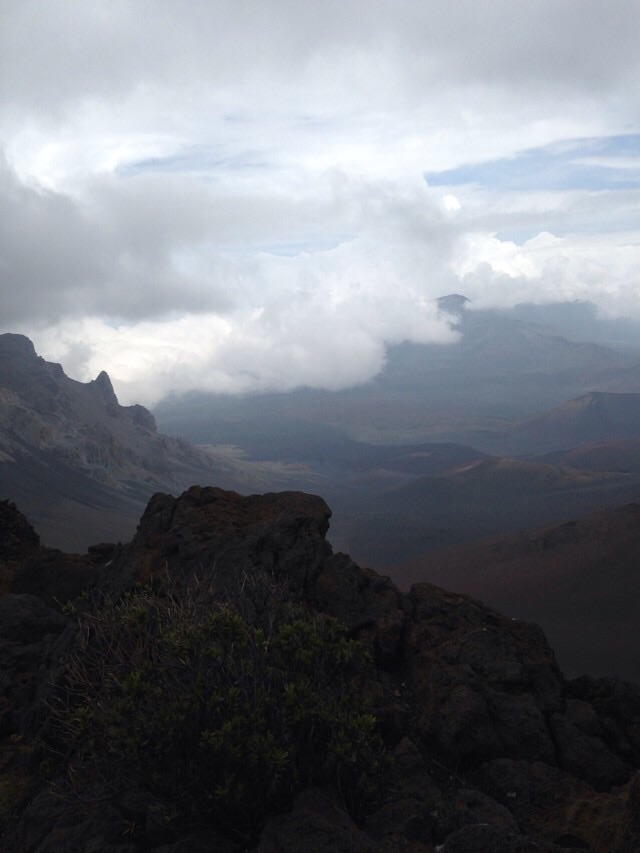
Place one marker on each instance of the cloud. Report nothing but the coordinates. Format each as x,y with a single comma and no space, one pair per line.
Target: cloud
232,195
547,268
56,57
115,254
321,317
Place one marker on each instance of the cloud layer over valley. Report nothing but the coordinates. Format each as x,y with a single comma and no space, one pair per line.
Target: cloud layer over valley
248,196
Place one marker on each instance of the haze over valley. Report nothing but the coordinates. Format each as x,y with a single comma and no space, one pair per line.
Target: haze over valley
450,442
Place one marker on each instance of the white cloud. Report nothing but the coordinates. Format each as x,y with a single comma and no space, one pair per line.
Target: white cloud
555,269
230,195
451,202
611,162
319,318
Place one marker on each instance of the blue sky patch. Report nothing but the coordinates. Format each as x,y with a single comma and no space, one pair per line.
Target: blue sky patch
197,159
603,163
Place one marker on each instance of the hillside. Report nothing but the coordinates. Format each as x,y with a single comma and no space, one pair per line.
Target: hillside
82,466
579,580
483,497
621,455
591,418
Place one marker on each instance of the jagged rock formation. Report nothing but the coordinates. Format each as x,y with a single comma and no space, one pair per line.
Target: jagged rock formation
77,461
494,750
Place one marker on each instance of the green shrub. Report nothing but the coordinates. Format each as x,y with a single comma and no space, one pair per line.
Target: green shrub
220,712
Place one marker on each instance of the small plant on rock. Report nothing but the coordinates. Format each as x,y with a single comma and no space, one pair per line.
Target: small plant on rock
219,711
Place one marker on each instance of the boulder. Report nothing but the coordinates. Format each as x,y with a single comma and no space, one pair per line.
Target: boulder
28,631
484,684
316,824
223,536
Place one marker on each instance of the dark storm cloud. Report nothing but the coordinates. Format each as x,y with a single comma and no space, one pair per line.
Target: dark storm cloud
110,256
54,53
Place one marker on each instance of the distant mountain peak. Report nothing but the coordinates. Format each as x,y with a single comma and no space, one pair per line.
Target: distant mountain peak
103,382
103,379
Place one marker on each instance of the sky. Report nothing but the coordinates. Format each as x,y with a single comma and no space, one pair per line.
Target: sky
249,195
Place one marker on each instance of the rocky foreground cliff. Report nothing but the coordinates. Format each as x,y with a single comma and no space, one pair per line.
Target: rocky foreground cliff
477,742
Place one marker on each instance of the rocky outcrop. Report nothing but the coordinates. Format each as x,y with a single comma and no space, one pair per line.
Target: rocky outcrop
57,578
224,535
43,411
27,631
26,566
492,748
485,685
18,541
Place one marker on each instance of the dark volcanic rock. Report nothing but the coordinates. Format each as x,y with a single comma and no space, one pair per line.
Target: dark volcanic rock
485,838
27,620
550,803
484,684
223,535
56,578
366,602
316,825
18,541
582,750
28,567
617,706
28,629
493,749
48,828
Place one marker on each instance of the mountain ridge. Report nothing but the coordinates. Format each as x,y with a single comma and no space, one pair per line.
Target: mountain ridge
77,460
587,419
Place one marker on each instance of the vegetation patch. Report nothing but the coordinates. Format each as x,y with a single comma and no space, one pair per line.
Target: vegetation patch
216,712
